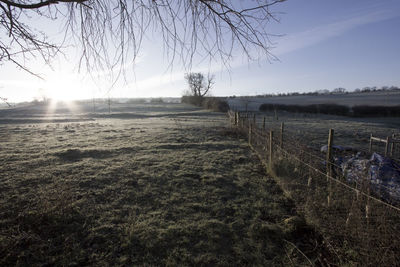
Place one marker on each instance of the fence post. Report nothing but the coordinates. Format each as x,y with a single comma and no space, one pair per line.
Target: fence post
329,153
370,144
250,134
392,146
271,136
282,125
387,146
329,164
264,123
254,119
236,115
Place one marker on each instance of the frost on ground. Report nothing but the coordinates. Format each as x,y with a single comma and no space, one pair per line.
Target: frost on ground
175,187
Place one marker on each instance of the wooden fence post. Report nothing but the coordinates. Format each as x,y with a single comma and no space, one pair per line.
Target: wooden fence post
329,153
264,123
282,125
392,146
236,115
370,144
329,165
271,136
250,134
387,146
254,119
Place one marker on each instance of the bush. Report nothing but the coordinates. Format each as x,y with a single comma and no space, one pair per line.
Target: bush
192,100
332,109
158,100
376,111
266,107
136,101
212,103
216,104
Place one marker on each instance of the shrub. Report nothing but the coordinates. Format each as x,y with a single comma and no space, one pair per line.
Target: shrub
332,109
192,100
212,103
158,100
266,107
136,101
376,111
215,104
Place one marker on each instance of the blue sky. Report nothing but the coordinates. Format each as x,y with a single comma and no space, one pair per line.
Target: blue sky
324,45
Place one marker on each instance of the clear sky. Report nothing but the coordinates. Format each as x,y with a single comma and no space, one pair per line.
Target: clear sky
325,44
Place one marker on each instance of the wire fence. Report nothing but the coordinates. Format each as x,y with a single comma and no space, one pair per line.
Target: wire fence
356,216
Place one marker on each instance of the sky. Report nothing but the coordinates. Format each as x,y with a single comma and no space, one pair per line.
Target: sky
322,44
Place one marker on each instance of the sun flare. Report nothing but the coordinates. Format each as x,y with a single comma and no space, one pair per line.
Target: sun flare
64,86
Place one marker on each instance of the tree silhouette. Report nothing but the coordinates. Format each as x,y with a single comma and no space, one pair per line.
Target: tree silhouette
110,33
198,85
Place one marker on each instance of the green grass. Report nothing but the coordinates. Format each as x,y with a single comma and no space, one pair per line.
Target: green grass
172,187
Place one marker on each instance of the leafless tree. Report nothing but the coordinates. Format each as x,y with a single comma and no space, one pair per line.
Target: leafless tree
110,33
198,85
5,100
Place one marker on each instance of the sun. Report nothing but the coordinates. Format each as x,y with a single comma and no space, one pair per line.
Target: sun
64,86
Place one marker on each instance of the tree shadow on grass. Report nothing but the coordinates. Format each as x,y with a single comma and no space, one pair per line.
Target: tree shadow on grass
79,154
47,232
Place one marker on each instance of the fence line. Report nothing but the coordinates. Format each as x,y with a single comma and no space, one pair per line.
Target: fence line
360,224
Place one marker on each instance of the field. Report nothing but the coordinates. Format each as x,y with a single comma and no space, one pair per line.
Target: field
148,184
312,129
380,98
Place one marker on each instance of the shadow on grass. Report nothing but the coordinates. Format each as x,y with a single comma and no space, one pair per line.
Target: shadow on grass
78,154
206,146
51,232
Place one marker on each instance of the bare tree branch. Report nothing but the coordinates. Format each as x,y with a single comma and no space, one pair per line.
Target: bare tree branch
110,33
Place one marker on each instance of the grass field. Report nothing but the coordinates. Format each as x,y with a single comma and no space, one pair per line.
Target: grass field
380,98
163,184
313,128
